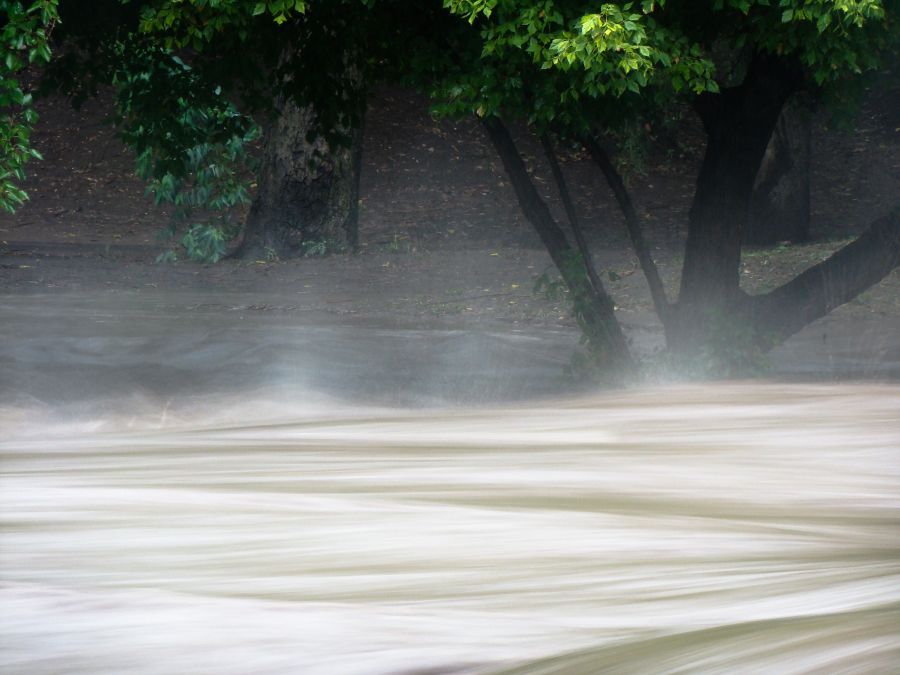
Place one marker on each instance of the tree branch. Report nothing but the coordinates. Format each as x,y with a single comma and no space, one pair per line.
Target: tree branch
617,185
850,271
566,199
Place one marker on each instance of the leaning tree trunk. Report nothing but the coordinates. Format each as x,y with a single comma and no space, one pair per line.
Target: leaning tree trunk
633,225
779,206
860,264
593,307
738,122
308,191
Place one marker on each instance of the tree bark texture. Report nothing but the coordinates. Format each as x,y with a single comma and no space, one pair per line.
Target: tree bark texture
739,123
593,307
779,206
308,190
860,264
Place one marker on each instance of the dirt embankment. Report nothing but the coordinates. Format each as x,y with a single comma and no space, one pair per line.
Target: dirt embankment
441,233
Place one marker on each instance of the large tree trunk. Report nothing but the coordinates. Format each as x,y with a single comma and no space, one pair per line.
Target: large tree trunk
593,307
779,206
739,122
308,191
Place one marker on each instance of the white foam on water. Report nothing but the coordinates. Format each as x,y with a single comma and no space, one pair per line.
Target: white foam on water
743,527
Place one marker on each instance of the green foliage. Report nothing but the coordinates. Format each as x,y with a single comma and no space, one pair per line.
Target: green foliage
175,66
550,288
85,57
621,50
191,145
575,68
633,143
564,65
25,39
569,65
205,242
314,52
580,298
194,23
589,362
832,39
314,248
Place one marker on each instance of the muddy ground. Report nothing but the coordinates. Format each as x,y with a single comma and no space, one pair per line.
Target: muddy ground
442,239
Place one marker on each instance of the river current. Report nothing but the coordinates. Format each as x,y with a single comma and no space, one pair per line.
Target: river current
742,527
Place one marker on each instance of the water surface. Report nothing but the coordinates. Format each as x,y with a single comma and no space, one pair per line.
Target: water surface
284,496
705,528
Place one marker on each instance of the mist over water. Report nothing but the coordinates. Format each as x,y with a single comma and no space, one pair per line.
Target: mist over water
284,498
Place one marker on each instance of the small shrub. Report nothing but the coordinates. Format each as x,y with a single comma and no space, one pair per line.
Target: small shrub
192,146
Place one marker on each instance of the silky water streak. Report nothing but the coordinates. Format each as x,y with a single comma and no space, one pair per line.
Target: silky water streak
751,528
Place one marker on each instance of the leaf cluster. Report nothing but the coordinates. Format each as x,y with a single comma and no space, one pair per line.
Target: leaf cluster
25,39
568,65
192,144
564,65
315,52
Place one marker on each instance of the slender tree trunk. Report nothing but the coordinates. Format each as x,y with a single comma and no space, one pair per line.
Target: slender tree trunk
593,307
569,207
308,190
633,225
860,264
739,122
779,206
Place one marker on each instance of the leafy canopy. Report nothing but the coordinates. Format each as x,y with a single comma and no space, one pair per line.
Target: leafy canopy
565,65
568,65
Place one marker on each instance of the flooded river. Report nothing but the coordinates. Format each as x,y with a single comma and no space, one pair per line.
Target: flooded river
161,513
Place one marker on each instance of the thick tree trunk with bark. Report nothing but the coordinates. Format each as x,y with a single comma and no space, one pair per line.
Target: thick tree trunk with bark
593,307
779,206
739,122
308,191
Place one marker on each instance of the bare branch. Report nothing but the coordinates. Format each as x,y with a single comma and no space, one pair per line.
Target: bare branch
632,223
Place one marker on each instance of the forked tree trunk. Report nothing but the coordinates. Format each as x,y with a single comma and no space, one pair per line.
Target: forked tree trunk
593,307
308,191
739,122
779,206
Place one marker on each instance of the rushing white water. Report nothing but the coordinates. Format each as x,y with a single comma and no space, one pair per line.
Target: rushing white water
751,528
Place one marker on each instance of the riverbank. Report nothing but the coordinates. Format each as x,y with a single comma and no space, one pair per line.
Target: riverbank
443,242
